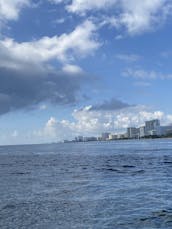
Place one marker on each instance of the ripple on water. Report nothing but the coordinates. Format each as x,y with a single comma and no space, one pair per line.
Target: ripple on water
124,185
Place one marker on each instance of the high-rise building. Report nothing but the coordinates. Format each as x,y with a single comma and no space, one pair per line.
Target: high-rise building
166,130
79,139
105,136
142,131
132,132
113,136
152,127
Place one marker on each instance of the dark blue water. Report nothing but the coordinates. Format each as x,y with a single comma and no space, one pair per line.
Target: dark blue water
115,185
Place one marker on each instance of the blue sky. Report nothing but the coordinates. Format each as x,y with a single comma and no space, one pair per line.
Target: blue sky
71,67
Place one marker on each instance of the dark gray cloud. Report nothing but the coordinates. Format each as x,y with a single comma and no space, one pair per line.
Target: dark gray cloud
20,89
113,104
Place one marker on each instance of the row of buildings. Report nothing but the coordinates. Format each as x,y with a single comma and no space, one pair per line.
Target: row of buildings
151,129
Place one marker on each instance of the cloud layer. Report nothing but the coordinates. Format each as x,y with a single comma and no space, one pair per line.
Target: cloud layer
136,16
93,123
141,74
28,77
9,10
80,42
112,105
20,89
46,70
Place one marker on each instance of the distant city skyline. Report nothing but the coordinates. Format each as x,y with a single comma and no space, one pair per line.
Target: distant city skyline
151,129
76,67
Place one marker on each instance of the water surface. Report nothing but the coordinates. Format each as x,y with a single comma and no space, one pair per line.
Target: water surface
114,185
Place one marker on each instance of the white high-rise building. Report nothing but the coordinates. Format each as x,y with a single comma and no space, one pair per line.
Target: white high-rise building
113,136
142,131
132,132
152,127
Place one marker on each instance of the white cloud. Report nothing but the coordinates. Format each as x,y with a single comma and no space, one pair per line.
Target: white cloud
80,42
49,130
50,127
57,1
146,75
136,16
72,69
139,16
43,107
128,57
89,123
111,21
59,21
53,131
142,84
99,121
81,6
119,37
27,65
10,9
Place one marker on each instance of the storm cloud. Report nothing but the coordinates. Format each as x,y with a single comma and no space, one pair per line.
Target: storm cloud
21,89
111,105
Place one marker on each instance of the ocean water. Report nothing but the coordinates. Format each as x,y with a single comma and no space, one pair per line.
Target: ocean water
97,185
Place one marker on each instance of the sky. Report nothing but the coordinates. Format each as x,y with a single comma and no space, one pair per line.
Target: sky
83,67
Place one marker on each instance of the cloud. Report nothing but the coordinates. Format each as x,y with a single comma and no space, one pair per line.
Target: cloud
9,10
53,130
59,21
82,6
166,54
113,104
27,76
57,1
80,42
111,21
142,84
139,16
72,69
43,107
89,123
128,57
141,74
135,16
20,89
